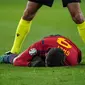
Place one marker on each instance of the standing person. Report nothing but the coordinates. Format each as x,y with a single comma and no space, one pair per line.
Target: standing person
29,13
54,50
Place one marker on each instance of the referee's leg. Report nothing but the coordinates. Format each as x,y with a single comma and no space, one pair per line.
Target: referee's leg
24,25
78,17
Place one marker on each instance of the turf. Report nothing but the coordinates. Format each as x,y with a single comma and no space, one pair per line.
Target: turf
55,20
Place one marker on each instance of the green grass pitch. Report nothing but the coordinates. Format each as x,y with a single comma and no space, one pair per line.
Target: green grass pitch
55,20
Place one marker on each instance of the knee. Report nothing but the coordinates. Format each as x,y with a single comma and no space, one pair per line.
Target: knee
28,14
78,18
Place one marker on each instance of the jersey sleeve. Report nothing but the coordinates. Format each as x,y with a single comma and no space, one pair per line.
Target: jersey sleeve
22,59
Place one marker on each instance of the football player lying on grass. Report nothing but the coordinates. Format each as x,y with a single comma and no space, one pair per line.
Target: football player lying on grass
53,50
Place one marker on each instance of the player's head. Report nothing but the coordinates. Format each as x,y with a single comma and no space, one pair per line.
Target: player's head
55,57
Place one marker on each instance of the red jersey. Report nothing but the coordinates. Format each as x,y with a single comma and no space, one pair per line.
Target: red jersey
72,52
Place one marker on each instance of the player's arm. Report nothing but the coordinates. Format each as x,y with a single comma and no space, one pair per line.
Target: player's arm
28,58
23,59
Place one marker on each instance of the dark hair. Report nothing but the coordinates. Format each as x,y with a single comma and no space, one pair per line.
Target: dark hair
55,57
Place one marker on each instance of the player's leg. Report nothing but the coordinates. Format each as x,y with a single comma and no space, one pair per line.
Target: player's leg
24,25
78,18
77,15
23,28
25,22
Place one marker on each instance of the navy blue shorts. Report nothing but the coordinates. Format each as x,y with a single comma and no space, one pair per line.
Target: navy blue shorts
50,2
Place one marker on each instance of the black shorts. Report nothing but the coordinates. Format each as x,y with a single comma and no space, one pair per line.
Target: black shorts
50,2
45,2
66,2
